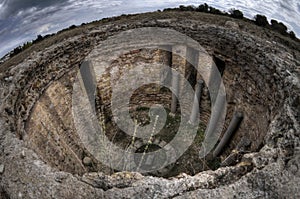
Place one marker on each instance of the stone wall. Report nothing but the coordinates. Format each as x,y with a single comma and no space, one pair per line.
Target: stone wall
261,79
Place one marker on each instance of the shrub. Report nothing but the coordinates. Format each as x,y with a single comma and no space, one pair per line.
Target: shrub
236,14
279,27
292,35
215,11
191,8
72,27
168,9
26,45
202,8
261,20
38,39
187,8
17,50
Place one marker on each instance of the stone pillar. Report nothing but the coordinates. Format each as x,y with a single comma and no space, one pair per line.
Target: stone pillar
166,72
215,79
175,93
179,63
88,82
196,104
233,126
178,58
214,82
191,66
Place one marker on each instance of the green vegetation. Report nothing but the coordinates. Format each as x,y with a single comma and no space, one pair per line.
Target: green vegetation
236,14
26,45
142,108
292,35
201,8
279,27
39,38
259,20
19,49
200,135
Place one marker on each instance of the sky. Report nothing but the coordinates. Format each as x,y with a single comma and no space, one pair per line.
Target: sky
23,20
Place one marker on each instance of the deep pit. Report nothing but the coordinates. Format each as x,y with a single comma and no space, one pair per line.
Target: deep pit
259,70
50,129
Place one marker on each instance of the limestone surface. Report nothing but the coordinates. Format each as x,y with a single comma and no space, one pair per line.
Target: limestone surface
262,80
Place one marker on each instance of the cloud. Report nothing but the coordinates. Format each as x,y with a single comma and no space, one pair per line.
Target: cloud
284,11
29,19
10,8
44,28
22,20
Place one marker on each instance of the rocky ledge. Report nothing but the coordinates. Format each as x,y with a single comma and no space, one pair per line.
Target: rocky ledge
270,172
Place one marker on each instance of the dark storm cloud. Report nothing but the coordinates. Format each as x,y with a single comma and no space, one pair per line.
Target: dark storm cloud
23,20
11,8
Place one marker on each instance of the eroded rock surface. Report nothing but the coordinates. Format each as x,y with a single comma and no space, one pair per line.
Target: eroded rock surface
262,79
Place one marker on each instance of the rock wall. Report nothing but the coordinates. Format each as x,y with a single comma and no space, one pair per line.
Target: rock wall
261,79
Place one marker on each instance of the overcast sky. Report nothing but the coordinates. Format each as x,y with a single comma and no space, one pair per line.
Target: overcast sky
23,20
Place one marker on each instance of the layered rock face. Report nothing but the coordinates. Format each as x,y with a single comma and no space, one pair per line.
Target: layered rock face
42,156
